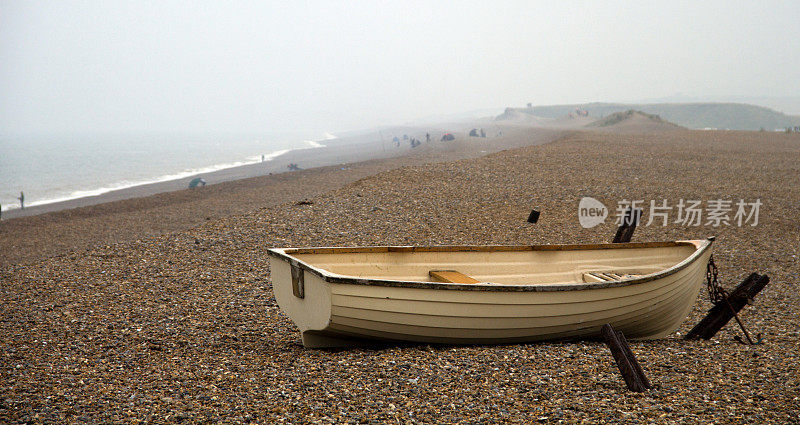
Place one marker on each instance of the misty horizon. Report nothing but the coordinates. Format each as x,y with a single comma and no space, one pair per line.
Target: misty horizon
202,68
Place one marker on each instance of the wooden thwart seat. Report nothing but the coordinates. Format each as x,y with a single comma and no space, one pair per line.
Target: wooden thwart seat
606,276
451,276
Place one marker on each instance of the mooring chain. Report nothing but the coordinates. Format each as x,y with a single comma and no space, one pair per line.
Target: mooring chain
715,292
718,295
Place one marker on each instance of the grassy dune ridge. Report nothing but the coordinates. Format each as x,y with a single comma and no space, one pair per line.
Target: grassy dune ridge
733,116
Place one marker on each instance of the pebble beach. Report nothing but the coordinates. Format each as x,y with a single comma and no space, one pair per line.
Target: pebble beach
130,312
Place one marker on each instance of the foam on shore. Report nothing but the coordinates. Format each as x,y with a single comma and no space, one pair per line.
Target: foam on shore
255,159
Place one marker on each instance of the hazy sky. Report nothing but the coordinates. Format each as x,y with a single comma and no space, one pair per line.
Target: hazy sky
198,66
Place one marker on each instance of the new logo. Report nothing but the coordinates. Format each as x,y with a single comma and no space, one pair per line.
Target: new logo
591,212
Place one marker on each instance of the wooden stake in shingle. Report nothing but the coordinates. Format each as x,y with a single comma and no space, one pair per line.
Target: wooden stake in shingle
629,222
533,217
628,366
728,308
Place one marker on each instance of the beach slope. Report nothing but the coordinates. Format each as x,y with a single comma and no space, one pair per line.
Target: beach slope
183,326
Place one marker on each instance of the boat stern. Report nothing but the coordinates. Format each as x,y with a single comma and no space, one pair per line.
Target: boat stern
305,297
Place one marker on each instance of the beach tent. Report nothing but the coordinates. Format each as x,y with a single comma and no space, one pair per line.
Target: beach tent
448,137
197,181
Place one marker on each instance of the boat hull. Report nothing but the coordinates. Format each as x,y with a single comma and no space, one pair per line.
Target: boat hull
337,311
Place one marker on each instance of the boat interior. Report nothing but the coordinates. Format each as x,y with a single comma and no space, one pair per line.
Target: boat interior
542,265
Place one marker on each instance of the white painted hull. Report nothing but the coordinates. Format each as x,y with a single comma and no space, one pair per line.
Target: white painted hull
536,293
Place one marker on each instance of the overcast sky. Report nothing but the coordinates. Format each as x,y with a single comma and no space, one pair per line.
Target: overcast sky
208,66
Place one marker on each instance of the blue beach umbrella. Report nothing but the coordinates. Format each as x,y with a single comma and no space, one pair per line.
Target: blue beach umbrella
197,181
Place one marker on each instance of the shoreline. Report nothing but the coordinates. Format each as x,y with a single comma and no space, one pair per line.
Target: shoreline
349,149
154,210
335,151
168,176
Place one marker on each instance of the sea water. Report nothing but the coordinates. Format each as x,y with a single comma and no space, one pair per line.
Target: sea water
58,168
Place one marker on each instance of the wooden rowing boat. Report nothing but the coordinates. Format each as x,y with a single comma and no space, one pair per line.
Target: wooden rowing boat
487,294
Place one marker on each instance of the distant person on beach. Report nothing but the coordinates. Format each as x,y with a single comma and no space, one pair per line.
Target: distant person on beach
21,200
427,137
262,158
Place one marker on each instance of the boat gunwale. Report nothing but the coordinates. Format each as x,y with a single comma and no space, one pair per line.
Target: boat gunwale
285,254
